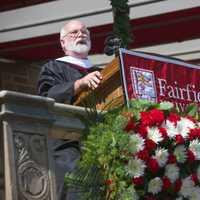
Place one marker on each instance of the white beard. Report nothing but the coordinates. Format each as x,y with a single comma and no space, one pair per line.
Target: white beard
78,48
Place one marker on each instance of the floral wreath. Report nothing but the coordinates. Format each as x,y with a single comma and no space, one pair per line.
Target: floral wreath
146,152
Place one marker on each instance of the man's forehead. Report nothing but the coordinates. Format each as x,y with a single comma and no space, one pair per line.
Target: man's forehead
75,25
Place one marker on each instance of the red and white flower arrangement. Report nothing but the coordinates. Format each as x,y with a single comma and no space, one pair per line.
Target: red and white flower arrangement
146,152
165,156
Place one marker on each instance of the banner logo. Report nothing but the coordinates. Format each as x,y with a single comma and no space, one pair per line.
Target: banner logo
143,84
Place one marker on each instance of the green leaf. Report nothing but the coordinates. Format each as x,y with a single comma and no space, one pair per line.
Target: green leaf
192,110
141,104
165,105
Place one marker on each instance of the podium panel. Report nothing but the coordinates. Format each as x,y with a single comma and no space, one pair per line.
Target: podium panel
109,94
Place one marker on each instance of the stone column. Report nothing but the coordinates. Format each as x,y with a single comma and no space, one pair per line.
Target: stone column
28,167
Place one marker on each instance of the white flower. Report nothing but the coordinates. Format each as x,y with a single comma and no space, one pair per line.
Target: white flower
172,172
184,125
195,148
198,172
135,167
170,128
187,187
180,153
155,185
195,195
136,143
154,134
161,155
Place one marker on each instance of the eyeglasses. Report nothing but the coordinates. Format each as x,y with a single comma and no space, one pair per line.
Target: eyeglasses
74,33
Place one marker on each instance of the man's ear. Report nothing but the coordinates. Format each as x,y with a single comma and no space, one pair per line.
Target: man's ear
62,44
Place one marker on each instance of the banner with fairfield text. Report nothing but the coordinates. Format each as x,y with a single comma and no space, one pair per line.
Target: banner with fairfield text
159,78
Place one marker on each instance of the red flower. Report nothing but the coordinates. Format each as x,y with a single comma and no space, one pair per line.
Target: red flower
146,119
157,116
171,159
194,178
163,132
108,181
166,183
138,181
153,165
142,130
130,126
198,132
150,144
179,139
173,117
194,133
143,155
190,156
153,117
178,184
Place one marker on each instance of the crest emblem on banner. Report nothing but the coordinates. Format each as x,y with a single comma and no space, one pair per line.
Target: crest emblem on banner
143,83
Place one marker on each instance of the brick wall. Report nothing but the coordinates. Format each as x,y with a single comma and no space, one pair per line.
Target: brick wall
20,76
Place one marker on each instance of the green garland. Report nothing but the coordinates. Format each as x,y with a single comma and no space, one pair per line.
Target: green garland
121,26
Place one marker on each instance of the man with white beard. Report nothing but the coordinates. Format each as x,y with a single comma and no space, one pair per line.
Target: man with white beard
63,79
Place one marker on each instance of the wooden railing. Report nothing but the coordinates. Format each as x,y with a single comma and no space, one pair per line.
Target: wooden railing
27,122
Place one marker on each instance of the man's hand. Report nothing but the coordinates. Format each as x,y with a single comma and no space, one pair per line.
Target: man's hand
91,81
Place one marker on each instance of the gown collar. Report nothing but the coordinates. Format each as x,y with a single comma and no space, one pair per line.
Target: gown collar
84,63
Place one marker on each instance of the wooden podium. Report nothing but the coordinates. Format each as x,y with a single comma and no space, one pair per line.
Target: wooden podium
109,94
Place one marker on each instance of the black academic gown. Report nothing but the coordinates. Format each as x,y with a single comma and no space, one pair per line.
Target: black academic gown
56,80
